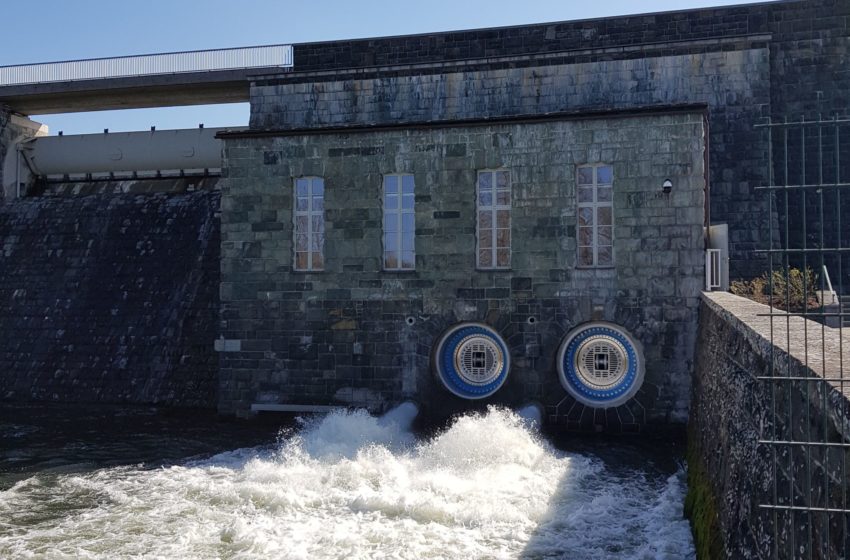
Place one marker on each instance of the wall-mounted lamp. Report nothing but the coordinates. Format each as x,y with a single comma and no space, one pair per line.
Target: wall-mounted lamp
667,187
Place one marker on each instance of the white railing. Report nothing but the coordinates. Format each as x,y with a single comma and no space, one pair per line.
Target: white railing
712,269
828,281
148,65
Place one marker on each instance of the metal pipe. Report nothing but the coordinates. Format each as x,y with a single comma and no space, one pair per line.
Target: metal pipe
124,152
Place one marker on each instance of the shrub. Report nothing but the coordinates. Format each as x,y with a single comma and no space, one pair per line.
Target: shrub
794,291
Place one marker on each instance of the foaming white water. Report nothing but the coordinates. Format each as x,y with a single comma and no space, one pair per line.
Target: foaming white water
352,486
532,413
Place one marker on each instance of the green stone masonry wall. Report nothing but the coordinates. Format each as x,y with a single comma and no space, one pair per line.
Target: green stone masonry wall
341,336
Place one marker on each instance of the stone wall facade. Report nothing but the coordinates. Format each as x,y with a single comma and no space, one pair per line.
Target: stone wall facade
734,408
356,334
777,59
734,83
110,297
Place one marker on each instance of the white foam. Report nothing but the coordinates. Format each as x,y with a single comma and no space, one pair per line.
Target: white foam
352,486
532,413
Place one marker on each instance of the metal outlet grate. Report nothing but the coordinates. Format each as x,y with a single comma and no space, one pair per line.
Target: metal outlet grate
600,365
478,360
601,362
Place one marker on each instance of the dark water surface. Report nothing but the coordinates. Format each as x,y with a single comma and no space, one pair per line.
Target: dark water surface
67,439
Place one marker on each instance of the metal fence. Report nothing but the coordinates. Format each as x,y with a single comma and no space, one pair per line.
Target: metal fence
147,65
805,438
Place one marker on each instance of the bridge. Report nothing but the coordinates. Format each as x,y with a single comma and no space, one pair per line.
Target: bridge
134,82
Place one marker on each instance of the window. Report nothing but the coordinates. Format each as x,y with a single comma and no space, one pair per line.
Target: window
595,194
494,219
309,223
399,223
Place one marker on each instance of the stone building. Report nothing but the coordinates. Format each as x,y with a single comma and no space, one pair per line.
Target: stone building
531,227
399,202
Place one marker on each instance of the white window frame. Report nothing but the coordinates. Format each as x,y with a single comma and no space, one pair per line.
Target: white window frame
492,232
397,215
309,213
594,205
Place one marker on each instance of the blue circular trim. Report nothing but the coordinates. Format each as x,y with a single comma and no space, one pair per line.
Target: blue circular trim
452,379
571,378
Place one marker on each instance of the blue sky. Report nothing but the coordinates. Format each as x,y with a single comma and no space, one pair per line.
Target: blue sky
51,30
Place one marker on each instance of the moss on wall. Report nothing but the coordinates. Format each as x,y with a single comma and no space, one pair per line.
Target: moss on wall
700,505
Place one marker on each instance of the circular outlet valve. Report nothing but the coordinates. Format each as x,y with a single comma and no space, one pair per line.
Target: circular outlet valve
600,365
471,360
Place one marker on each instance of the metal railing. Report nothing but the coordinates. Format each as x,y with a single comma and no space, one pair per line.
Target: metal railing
828,280
808,501
148,65
712,269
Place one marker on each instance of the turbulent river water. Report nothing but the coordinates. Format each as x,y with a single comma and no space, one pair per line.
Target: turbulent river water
346,485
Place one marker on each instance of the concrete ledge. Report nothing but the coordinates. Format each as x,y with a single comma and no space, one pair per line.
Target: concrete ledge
796,345
262,407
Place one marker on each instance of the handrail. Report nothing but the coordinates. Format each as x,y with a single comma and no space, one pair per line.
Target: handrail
828,282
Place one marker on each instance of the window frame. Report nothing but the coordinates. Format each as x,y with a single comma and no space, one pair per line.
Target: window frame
594,205
398,213
493,231
309,213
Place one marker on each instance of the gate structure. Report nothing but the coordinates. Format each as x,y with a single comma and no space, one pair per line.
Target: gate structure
806,435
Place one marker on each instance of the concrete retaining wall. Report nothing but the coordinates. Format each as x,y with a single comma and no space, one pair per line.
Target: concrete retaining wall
731,474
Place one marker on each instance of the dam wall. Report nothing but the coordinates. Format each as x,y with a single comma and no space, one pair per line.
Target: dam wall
109,293
736,410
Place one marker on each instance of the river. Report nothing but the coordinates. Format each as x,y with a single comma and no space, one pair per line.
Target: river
143,484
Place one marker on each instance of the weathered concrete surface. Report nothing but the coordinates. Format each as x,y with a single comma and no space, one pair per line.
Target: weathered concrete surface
732,411
110,298
340,336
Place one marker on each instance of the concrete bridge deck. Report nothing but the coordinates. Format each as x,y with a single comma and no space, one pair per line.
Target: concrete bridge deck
130,82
